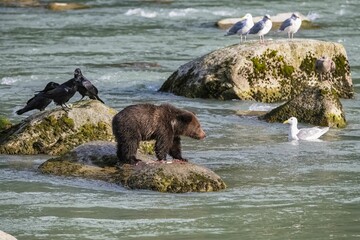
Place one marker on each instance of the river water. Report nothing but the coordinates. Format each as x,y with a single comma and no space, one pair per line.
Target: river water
276,189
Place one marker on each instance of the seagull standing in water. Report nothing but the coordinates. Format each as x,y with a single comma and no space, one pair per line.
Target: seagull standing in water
304,133
291,25
261,28
241,27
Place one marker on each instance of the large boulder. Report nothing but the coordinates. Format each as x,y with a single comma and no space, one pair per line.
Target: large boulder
318,105
96,160
271,72
56,131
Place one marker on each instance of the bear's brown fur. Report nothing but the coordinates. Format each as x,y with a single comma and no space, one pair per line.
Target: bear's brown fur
164,124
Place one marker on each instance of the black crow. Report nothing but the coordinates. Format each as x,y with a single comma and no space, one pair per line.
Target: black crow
62,93
39,101
86,88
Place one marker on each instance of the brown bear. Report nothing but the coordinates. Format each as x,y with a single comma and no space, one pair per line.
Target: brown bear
164,124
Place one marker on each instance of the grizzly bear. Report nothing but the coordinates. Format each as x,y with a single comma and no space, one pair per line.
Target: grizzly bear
164,124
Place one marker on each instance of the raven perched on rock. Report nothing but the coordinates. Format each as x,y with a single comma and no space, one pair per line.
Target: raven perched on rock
62,93
39,101
86,88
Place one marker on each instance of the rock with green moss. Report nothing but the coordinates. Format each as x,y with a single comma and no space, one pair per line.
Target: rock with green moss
271,72
96,160
56,131
318,105
4,123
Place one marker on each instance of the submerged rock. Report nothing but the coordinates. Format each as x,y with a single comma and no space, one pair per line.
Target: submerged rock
57,6
271,72
316,105
56,131
20,3
96,160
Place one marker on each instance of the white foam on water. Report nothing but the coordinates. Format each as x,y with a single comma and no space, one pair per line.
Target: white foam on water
141,12
8,80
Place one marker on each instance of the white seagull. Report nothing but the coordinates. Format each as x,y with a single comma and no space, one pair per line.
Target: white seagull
291,25
241,27
262,27
304,133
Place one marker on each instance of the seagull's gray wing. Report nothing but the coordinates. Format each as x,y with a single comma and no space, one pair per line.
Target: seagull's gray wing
257,27
311,133
286,24
236,27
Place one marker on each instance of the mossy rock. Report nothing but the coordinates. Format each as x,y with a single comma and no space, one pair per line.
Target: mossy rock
318,105
272,72
4,123
97,160
55,131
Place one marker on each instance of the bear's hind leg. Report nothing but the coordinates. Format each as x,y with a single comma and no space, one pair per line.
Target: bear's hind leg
126,153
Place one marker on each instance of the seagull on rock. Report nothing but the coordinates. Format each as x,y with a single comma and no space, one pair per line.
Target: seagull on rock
304,133
241,27
291,25
324,66
261,28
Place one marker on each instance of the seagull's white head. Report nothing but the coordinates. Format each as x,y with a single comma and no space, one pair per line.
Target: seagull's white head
291,121
295,16
248,16
267,17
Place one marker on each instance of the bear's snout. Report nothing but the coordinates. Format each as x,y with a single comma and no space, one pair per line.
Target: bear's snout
202,135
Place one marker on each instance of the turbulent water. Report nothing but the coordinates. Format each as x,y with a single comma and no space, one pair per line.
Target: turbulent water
276,189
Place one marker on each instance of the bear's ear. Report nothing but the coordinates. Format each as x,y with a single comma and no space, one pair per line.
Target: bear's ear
184,117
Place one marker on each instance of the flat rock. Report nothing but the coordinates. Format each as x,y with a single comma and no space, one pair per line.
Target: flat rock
20,3
58,6
272,72
96,160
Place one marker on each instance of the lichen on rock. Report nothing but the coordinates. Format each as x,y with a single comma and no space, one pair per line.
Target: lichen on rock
272,72
97,160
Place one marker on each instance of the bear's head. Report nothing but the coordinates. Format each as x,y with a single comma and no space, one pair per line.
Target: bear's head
188,125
